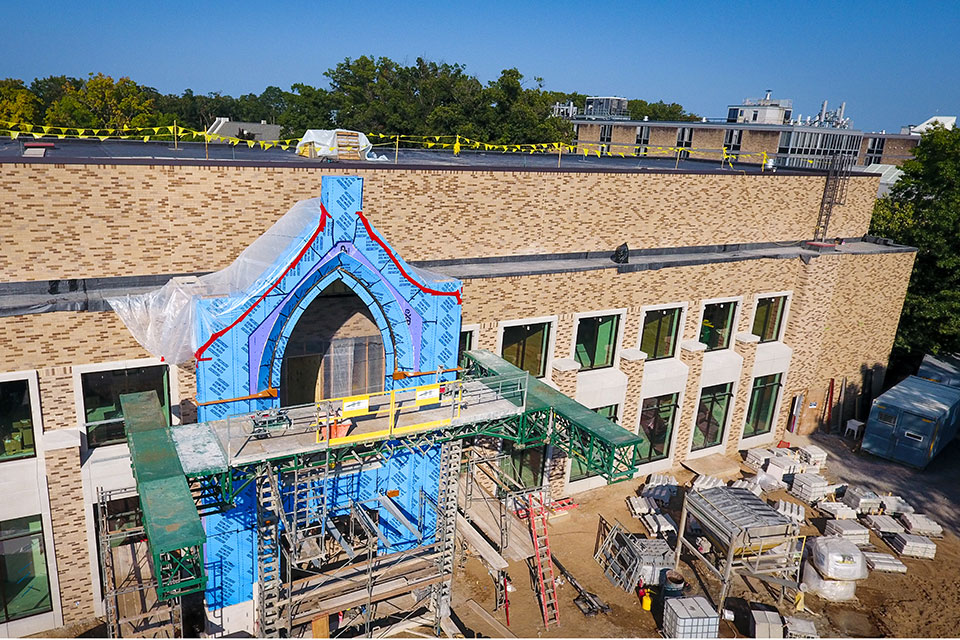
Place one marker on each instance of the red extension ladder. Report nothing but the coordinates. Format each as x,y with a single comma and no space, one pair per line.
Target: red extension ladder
541,551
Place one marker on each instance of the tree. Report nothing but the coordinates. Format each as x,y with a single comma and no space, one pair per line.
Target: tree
102,102
52,88
923,211
661,111
17,103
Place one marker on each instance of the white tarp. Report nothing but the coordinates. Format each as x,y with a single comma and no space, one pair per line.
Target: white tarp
324,142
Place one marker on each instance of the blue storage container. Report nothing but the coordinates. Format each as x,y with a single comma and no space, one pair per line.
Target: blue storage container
913,421
944,369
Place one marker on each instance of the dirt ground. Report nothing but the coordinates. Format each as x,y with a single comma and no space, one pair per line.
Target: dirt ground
924,602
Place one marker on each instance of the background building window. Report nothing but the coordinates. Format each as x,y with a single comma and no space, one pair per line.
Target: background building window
525,346
656,425
732,139
643,139
24,587
717,325
659,336
711,416
578,467
685,140
101,399
16,421
596,341
763,402
768,319
875,150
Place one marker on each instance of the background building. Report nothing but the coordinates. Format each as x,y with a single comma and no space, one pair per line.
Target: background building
704,343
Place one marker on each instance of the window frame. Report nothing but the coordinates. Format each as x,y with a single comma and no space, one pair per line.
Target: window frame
735,320
788,298
551,339
80,406
618,338
678,337
671,429
474,331
779,384
733,139
45,555
572,477
724,427
36,415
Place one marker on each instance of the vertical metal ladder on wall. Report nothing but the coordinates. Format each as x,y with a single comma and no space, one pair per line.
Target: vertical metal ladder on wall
541,548
268,556
447,525
834,192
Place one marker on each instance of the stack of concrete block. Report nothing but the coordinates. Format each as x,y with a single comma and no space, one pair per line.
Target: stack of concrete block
766,624
661,487
783,467
883,525
883,562
640,506
706,482
809,487
921,525
813,455
863,500
795,512
907,544
895,505
750,485
848,530
838,510
659,524
800,628
757,458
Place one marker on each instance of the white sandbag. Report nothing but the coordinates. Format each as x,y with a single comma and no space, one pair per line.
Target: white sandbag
832,590
837,558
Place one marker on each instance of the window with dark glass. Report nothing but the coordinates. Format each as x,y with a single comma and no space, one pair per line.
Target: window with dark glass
524,466
732,115
101,399
763,402
466,344
578,467
525,346
717,325
732,139
16,421
643,139
657,416
768,319
658,338
875,150
606,132
24,586
684,140
711,416
596,341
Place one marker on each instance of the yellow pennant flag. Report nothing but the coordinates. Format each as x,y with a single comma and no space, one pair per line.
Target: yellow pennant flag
14,135
61,136
157,129
102,138
146,138
28,127
250,143
47,129
284,146
38,135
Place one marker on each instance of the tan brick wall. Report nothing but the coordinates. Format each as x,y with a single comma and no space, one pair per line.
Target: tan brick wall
69,534
748,351
691,400
633,369
56,397
662,137
756,142
898,150
79,221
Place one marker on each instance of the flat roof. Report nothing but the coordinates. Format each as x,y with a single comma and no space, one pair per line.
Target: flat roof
74,151
578,119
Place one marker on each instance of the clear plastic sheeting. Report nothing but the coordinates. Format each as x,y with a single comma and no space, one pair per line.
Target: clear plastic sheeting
324,144
165,321
832,590
838,559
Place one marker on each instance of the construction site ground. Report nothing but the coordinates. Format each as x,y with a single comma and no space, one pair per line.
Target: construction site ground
924,602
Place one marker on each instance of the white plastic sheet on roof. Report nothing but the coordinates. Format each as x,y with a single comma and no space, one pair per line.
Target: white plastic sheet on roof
324,142
165,321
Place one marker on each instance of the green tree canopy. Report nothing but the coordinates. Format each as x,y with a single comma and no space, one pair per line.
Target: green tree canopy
103,102
923,210
17,103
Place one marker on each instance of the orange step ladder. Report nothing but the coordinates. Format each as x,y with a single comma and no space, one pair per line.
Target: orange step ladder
541,548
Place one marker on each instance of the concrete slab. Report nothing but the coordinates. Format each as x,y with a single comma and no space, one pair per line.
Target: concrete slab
717,465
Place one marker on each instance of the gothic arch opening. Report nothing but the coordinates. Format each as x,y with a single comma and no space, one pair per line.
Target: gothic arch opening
335,350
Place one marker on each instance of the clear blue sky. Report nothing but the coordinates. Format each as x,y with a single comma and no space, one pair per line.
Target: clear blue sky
892,62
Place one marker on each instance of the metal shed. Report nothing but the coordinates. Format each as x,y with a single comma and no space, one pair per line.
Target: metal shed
944,369
913,421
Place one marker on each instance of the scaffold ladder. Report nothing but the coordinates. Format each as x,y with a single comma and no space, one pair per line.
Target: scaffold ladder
268,555
541,547
447,525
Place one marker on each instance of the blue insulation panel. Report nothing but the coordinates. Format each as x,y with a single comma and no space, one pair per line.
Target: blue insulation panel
419,320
